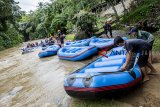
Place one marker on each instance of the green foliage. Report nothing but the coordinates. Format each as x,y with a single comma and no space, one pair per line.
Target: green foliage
145,10
48,18
140,13
58,22
9,16
69,25
100,22
156,45
70,37
14,36
10,38
85,20
36,35
25,18
137,15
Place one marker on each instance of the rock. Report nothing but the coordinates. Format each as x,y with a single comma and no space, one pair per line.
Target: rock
81,35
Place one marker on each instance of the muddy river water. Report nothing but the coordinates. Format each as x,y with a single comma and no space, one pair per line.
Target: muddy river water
28,81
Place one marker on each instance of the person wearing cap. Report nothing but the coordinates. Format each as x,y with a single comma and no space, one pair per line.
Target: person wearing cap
140,34
59,32
108,28
136,46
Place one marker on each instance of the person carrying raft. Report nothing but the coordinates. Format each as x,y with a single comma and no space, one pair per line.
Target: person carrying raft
140,34
136,46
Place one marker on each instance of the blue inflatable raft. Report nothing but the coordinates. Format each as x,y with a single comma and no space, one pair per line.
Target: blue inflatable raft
102,76
102,42
84,42
27,50
51,50
44,47
77,53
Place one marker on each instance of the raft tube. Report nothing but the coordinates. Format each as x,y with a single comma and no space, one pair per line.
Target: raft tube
50,51
84,42
27,50
76,53
103,42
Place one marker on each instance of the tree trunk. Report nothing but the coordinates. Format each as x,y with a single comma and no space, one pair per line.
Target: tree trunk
125,10
137,2
3,25
82,4
26,36
114,9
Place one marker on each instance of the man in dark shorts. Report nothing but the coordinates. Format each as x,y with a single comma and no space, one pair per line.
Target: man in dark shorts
108,28
136,46
140,34
62,39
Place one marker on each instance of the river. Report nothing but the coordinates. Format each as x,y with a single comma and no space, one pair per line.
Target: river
28,81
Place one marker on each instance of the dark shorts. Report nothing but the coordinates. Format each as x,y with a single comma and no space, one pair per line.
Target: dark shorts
143,60
62,41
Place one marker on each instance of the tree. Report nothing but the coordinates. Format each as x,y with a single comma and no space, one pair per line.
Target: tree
125,10
10,14
85,21
59,22
114,9
48,18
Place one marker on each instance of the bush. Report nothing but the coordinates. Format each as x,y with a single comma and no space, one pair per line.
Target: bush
59,22
156,45
9,38
85,21
143,11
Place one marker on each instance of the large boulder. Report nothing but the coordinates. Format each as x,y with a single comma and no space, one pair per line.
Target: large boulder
81,35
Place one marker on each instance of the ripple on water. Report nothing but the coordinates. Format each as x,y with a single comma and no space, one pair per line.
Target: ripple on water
7,64
40,81
6,99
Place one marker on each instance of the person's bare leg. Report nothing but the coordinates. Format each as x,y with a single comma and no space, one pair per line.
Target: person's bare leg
153,70
107,36
146,77
148,70
150,56
110,31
